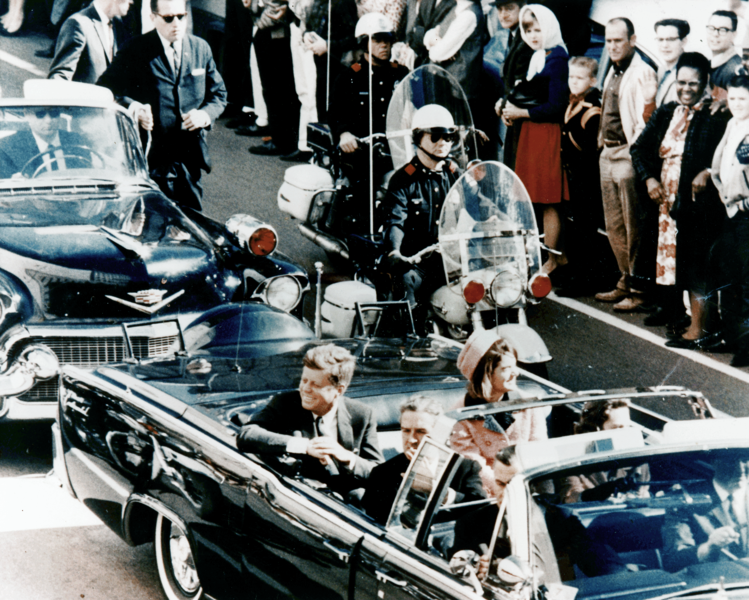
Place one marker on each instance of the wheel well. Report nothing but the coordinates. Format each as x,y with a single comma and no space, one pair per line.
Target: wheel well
140,522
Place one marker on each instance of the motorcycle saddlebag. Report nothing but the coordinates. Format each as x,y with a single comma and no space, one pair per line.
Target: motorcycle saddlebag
300,183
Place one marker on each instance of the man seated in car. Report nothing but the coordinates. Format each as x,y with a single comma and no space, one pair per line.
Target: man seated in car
419,415
717,534
334,437
566,533
47,140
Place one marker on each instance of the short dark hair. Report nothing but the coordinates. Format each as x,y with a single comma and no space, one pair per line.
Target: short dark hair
681,26
739,81
698,62
155,7
596,413
421,403
728,14
630,26
338,363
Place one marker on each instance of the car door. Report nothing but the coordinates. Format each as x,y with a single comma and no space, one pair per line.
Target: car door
297,540
410,559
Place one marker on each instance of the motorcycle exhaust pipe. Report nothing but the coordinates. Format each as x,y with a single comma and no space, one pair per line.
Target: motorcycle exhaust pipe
326,243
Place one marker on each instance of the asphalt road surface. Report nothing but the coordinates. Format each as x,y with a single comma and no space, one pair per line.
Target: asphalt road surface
51,547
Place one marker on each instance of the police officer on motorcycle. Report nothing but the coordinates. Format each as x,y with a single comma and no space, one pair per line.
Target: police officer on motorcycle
350,100
412,207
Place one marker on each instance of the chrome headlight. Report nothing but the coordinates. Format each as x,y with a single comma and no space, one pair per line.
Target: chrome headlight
283,292
252,234
507,288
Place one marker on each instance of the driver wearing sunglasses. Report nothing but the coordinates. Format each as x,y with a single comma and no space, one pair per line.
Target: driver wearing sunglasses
412,209
45,140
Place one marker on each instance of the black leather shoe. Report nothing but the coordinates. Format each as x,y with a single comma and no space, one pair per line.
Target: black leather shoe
683,343
740,359
675,330
252,130
297,156
46,52
267,149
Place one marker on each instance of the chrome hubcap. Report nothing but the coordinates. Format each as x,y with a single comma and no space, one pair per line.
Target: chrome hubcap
183,565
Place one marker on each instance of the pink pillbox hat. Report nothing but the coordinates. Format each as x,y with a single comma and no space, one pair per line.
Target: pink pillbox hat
474,350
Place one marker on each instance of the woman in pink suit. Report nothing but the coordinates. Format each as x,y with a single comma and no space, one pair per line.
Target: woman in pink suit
489,364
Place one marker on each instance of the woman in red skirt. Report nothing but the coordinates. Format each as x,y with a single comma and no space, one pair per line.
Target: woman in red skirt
539,101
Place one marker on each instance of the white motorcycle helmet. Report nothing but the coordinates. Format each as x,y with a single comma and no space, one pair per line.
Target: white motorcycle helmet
434,118
371,24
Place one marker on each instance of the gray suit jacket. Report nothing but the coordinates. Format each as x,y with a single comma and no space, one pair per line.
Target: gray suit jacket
275,425
81,50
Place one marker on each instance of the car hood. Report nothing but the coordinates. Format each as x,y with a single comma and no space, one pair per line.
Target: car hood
110,255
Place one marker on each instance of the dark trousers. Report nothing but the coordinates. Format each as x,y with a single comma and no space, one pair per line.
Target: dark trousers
273,49
180,183
732,254
236,53
321,91
418,284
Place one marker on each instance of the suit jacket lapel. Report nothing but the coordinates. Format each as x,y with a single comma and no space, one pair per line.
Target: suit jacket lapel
101,32
345,431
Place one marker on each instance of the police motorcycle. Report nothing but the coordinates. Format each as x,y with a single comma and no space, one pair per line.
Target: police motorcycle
328,195
491,253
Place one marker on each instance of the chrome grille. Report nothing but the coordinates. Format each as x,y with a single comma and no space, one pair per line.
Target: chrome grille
91,352
43,391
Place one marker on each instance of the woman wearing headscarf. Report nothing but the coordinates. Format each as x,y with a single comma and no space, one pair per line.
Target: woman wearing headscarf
489,364
672,157
539,102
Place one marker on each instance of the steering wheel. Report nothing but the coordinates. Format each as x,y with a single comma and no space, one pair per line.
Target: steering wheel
71,152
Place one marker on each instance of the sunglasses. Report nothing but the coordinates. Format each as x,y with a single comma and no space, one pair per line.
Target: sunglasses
170,18
54,113
444,134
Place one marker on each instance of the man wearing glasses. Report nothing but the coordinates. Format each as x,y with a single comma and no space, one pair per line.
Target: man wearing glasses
42,147
170,83
725,60
671,36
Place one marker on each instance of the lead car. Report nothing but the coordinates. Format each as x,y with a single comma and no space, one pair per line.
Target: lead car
151,449
90,247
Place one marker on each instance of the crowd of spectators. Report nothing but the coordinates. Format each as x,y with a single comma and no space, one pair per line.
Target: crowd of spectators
651,154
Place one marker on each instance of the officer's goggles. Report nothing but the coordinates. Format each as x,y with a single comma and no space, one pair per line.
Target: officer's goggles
449,134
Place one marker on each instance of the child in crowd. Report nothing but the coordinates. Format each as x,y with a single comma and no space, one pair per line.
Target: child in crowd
588,252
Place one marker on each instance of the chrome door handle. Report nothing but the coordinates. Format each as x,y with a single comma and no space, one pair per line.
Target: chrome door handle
343,555
385,578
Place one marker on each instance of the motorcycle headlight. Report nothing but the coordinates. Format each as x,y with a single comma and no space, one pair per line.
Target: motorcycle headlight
507,288
254,235
283,293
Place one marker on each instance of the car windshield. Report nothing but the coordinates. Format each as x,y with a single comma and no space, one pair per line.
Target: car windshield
675,520
67,143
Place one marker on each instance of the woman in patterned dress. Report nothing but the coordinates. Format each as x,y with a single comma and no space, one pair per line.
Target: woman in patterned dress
672,157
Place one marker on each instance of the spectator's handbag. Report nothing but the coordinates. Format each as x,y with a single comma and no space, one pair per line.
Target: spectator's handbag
525,94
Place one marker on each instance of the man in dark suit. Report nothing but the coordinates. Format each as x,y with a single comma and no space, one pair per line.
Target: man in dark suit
418,417
48,142
88,41
717,534
334,437
170,83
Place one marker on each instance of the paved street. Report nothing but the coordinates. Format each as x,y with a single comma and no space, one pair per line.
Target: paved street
51,547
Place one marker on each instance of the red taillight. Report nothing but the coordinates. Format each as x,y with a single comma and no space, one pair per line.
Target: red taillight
262,242
540,285
474,292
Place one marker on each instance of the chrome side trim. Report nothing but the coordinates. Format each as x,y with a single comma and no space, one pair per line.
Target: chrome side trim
58,460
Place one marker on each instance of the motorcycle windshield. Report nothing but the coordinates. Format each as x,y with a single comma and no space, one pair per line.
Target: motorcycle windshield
488,225
429,84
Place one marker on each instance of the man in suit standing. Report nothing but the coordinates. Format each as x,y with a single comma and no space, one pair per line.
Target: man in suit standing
418,418
171,85
334,437
88,41
721,532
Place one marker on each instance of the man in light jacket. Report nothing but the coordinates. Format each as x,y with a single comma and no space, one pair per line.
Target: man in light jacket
627,92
